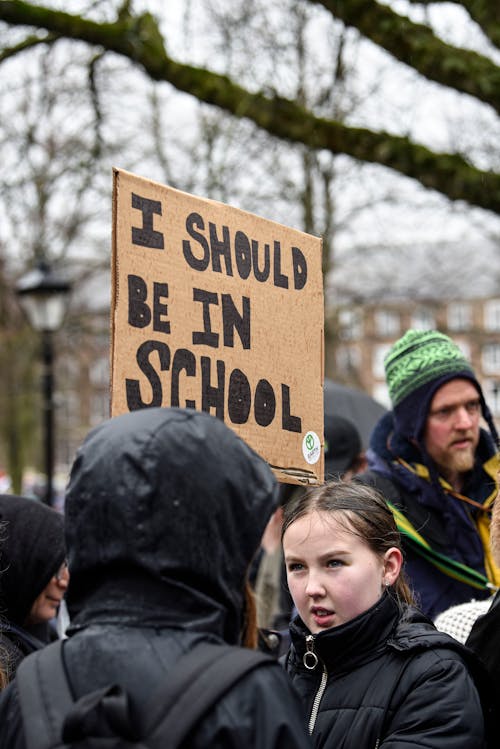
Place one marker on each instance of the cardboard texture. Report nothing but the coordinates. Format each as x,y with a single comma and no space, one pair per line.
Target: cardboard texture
219,310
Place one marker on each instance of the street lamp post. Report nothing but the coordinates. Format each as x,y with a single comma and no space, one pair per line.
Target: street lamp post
43,295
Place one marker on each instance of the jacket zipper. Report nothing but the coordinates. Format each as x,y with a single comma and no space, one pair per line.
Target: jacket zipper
310,661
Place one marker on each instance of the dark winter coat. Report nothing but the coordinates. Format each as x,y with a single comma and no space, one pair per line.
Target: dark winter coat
15,644
387,677
31,551
484,640
165,510
447,524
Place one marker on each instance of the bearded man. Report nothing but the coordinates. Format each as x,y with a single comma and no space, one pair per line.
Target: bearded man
437,469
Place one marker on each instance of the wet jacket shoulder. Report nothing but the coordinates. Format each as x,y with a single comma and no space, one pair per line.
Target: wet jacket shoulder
387,678
262,710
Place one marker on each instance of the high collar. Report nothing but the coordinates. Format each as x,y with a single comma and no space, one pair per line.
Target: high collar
361,639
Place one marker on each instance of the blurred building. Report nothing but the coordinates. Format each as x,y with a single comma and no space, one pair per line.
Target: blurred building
365,332
82,375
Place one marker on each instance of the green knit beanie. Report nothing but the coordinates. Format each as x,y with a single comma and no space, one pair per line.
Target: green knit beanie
420,357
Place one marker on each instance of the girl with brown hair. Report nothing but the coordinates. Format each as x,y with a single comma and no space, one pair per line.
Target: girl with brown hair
372,671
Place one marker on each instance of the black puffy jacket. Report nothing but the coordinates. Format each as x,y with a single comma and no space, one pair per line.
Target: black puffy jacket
164,511
386,680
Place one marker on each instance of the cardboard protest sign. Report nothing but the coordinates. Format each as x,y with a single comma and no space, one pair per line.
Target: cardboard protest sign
219,310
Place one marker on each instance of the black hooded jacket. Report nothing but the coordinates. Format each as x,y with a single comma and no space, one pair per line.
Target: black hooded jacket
164,511
389,680
31,551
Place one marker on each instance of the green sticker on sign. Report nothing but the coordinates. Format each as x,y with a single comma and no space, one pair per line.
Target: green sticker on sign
311,448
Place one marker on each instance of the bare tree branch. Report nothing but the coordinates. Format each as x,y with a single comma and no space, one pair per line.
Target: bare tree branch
416,45
138,38
486,13
29,43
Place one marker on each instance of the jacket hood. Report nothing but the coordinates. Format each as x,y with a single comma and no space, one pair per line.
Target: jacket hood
31,551
165,509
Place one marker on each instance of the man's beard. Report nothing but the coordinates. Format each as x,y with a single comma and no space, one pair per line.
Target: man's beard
462,461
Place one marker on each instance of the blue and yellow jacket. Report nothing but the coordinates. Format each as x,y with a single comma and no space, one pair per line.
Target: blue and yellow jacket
445,533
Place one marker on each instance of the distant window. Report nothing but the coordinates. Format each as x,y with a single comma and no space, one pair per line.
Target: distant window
381,394
423,319
490,356
350,325
492,314
379,353
99,407
99,372
459,316
491,390
464,347
70,366
69,407
348,358
387,323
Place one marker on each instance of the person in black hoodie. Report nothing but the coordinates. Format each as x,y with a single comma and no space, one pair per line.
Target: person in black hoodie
372,670
33,578
165,509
